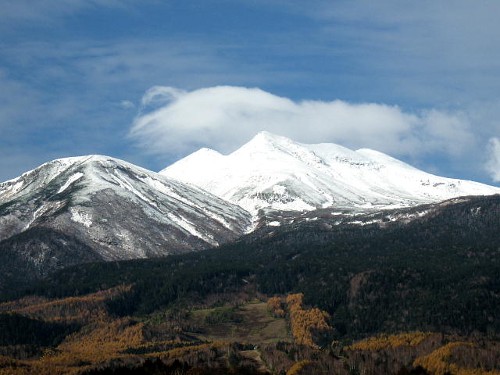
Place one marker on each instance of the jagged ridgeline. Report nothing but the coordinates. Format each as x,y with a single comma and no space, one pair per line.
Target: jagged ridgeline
433,272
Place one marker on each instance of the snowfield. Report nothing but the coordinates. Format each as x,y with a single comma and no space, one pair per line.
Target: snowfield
275,172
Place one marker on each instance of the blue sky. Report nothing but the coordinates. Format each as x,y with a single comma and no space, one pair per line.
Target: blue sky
151,81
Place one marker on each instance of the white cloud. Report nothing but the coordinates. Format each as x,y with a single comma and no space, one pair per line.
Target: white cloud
127,104
493,164
449,131
224,117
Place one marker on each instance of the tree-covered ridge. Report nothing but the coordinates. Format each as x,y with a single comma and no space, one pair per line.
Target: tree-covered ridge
435,273
438,272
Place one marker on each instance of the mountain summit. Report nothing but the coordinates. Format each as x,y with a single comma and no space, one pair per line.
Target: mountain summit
272,171
119,206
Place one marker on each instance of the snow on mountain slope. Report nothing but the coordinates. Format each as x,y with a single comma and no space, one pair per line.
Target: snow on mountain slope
275,172
120,210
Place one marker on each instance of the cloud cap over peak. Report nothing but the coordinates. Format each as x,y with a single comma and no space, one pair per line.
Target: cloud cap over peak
176,122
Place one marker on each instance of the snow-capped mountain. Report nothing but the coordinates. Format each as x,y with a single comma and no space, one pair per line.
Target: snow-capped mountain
274,172
117,209
96,208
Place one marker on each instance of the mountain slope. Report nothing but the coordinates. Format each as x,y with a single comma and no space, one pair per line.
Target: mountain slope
117,210
37,252
275,172
437,272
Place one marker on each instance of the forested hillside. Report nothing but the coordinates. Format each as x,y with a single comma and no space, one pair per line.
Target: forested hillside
432,274
438,272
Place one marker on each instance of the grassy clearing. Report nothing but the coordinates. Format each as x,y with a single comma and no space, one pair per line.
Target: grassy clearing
250,323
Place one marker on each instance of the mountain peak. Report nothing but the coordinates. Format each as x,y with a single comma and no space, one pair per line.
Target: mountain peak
265,141
266,136
271,171
80,159
126,211
89,160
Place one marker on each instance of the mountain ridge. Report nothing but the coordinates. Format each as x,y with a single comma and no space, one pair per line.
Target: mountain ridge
275,172
100,208
114,208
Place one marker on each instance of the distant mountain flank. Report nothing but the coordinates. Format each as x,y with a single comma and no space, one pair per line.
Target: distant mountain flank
113,210
274,172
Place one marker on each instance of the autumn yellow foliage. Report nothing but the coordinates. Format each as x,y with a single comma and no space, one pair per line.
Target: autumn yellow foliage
296,300
305,321
81,309
298,367
391,341
92,345
180,352
438,362
275,306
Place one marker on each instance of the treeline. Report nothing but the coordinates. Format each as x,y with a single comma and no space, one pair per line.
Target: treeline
434,273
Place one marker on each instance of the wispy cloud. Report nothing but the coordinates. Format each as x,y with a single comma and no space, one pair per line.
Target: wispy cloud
426,52
493,164
27,11
224,117
127,104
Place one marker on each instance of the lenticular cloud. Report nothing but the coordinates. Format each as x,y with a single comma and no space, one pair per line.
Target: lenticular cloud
173,121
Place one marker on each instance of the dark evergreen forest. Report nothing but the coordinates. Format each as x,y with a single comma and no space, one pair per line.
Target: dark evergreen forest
439,272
